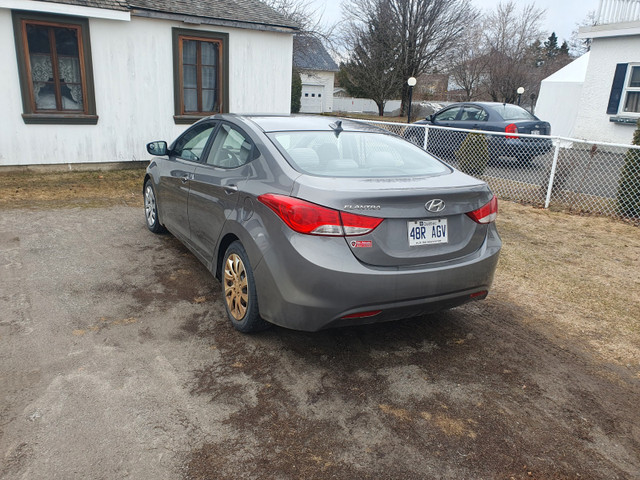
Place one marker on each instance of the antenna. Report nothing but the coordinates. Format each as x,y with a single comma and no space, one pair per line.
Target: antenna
337,127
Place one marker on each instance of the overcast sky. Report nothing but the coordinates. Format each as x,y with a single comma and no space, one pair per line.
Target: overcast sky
561,15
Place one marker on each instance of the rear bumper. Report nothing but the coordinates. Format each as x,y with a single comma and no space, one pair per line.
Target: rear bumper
521,147
310,283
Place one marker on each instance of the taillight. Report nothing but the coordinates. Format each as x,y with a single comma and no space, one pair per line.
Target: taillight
311,219
511,128
358,224
486,213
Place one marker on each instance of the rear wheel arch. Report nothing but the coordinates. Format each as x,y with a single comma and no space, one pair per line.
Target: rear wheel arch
227,240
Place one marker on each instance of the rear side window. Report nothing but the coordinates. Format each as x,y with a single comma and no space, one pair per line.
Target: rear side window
355,154
230,149
473,114
513,112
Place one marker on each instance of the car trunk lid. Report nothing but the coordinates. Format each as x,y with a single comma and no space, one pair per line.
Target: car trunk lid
533,127
424,217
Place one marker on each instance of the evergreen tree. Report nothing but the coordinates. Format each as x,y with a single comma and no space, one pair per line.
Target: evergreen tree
628,198
296,91
551,46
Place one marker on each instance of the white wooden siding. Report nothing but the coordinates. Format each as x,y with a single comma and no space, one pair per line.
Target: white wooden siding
133,77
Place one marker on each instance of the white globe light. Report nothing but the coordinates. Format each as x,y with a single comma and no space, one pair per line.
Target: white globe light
412,82
520,90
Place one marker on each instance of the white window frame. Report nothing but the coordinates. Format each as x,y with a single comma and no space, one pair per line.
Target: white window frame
627,89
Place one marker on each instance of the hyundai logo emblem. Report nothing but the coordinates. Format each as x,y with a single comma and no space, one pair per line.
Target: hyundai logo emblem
436,205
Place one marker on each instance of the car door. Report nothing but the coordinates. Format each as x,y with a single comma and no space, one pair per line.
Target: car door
472,117
176,174
214,188
442,143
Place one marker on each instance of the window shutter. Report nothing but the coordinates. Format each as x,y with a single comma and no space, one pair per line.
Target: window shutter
616,88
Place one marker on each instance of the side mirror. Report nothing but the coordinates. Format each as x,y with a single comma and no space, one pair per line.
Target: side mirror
431,118
157,148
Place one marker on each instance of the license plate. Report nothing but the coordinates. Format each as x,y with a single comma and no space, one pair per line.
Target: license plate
535,132
427,232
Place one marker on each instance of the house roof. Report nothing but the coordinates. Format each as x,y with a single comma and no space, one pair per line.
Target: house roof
310,54
108,4
250,11
246,11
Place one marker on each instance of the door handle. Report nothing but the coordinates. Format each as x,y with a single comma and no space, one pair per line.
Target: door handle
229,189
185,178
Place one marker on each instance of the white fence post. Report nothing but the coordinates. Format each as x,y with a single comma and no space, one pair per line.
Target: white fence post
553,175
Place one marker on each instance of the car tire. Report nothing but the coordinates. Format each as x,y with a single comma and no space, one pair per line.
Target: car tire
151,208
239,291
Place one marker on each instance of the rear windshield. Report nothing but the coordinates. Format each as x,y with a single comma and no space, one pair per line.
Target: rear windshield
513,112
355,154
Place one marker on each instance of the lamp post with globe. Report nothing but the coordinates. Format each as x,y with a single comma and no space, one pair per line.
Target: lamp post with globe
412,83
520,92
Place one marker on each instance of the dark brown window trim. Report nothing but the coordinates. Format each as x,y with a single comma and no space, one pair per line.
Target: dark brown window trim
223,76
187,119
30,116
60,119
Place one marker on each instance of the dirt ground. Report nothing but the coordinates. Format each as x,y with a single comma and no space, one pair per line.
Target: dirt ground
116,361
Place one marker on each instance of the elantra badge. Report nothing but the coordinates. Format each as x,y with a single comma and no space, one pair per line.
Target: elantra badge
436,205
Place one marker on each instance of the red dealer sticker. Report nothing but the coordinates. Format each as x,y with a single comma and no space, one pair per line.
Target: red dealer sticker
361,243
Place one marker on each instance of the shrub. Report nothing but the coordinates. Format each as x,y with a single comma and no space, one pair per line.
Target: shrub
628,197
473,154
296,91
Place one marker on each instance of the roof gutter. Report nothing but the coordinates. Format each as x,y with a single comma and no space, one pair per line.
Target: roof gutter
65,9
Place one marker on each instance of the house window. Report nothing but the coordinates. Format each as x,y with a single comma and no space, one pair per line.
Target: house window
200,74
632,91
54,64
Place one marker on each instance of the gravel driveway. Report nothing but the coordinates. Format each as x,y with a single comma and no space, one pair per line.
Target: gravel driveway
116,361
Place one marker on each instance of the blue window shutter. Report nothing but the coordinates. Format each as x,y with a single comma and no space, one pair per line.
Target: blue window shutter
616,88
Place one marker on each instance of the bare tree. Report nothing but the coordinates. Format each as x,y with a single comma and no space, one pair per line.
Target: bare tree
580,46
509,34
307,17
469,61
423,30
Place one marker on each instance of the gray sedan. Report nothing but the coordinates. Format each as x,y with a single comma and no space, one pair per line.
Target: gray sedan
311,222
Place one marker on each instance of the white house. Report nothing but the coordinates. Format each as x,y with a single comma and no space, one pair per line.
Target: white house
87,81
610,100
317,71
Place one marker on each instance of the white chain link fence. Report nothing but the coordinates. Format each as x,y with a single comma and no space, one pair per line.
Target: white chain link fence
581,176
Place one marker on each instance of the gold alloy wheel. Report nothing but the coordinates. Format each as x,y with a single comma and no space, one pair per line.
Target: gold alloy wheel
236,290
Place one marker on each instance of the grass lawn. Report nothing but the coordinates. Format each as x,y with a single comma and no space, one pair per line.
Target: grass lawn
70,189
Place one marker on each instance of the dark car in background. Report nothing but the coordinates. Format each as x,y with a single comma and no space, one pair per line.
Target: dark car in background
504,118
310,222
